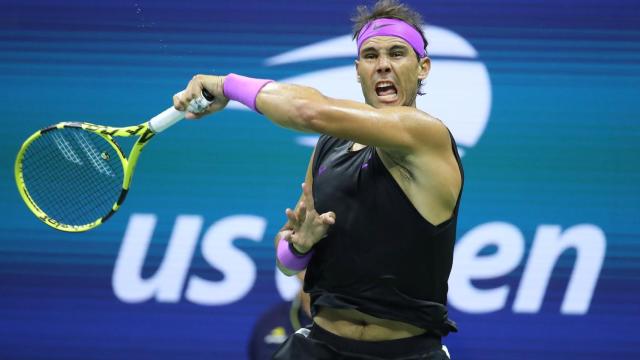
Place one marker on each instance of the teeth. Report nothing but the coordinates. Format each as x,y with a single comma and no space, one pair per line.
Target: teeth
384,84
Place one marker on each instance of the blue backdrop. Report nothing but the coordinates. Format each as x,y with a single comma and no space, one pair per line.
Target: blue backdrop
542,97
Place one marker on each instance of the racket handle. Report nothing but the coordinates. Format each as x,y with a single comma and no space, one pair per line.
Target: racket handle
169,117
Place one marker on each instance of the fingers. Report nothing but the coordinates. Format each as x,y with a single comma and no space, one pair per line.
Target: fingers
215,106
307,196
292,216
180,102
194,90
297,216
286,235
301,211
328,218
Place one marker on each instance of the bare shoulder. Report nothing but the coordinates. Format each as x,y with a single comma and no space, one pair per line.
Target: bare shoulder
430,175
427,133
433,156
438,130
436,178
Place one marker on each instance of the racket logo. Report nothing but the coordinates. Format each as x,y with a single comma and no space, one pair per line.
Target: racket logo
146,136
57,224
110,131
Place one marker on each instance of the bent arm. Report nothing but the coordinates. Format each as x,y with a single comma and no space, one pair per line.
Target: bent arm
395,128
400,128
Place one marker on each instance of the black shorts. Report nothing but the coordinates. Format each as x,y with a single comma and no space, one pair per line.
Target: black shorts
316,343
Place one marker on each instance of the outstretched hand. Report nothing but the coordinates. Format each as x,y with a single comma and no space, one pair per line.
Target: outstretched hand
213,84
306,226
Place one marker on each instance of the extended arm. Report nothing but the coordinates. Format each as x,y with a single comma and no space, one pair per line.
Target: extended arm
398,128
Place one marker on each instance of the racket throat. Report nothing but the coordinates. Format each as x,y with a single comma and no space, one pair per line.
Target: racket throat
121,198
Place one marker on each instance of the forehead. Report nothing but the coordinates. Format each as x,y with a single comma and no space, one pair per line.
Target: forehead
383,42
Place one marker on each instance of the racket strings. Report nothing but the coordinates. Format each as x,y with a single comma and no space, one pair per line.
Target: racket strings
73,175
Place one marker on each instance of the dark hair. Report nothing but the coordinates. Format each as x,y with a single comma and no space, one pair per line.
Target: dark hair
390,9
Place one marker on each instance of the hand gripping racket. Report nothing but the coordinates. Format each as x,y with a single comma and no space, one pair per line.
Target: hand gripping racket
73,175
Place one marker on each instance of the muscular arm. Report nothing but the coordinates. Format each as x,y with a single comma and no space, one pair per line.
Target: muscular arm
399,129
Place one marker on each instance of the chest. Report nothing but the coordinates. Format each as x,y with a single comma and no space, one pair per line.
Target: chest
344,176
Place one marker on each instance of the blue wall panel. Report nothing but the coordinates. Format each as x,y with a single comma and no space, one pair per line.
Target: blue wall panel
555,159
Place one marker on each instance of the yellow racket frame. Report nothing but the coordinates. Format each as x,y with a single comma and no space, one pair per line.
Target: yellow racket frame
107,133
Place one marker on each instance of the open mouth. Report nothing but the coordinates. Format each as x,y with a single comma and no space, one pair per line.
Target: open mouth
386,91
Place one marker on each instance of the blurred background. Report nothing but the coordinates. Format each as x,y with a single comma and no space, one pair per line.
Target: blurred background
542,97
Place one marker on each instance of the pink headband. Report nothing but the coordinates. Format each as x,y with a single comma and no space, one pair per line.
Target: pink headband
393,27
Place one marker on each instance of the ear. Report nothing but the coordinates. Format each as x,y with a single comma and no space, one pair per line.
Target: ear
424,65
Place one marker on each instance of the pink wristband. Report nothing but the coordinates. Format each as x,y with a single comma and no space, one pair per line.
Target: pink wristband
243,89
290,260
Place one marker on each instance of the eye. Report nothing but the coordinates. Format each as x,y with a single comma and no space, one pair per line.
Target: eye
370,56
397,54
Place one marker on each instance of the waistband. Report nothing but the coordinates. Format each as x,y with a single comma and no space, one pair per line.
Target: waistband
423,343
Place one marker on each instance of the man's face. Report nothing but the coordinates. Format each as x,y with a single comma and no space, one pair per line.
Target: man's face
388,72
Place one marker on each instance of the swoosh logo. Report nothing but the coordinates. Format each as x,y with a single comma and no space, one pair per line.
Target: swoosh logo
376,27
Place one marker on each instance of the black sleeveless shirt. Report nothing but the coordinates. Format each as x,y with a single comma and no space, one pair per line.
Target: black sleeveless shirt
381,256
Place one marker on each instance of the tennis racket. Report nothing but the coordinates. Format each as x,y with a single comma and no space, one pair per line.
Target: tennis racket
74,176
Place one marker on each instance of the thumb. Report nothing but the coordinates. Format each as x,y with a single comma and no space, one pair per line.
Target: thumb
328,218
286,235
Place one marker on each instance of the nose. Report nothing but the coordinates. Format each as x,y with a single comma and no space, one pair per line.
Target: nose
383,65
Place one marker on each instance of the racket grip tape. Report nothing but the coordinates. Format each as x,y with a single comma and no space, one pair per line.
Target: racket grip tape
170,116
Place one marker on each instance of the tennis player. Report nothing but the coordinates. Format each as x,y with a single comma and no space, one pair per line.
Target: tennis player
376,222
